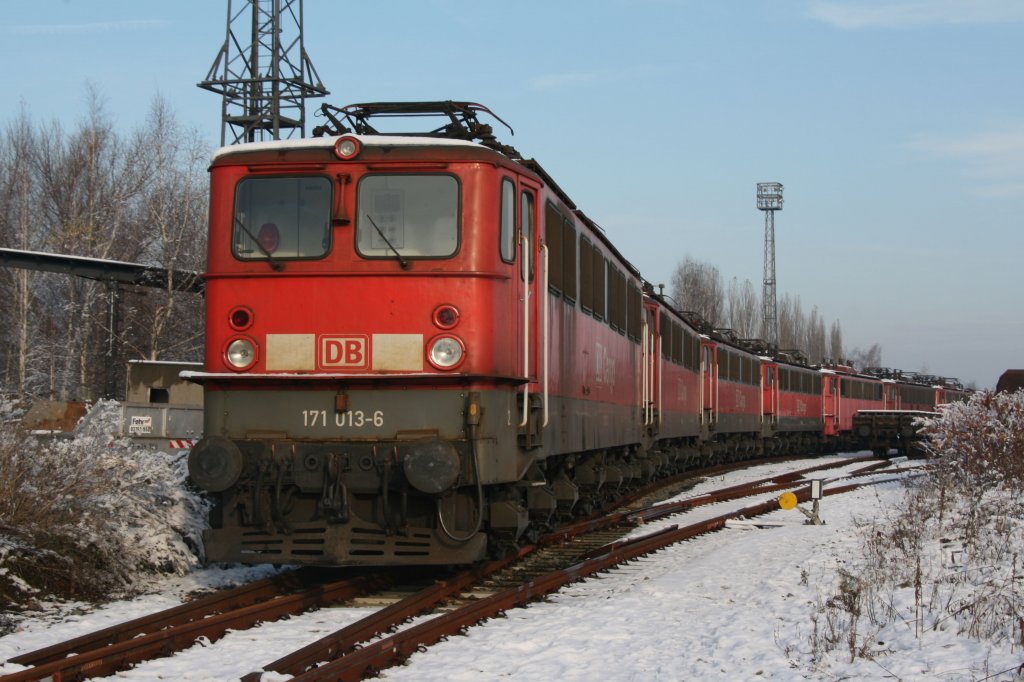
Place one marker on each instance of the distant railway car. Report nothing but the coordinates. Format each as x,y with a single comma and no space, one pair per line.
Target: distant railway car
419,350
906,398
844,394
796,391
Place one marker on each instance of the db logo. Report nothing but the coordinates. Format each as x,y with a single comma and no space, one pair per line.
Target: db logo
343,351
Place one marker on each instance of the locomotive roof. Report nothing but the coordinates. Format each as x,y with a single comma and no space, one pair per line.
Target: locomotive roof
328,143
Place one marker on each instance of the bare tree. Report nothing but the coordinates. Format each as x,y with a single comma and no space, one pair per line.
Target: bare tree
93,191
697,287
835,342
792,323
861,359
814,341
90,180
744,307
172,228
15,228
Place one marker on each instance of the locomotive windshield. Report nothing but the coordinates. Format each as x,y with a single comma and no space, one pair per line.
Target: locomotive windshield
408,216
282,218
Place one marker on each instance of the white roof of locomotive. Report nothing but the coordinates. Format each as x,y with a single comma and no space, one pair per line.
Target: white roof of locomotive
328,142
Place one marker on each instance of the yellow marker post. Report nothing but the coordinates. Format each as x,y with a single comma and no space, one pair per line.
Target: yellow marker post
787,501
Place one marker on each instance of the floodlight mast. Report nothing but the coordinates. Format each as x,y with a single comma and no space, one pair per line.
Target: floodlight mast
769,200
263,72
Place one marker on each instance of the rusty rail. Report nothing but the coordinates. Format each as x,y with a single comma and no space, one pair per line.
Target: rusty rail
764,485
217,602
111,649
352,663
106,660
384,653
344,640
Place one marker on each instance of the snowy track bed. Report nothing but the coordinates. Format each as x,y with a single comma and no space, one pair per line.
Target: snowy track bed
732,605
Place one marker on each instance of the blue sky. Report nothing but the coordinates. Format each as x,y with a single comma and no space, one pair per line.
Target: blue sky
897,128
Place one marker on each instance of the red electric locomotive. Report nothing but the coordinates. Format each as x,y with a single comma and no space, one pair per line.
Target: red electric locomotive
406,337
417,347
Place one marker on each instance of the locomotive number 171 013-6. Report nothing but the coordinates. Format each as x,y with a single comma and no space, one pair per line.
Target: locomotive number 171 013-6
352,418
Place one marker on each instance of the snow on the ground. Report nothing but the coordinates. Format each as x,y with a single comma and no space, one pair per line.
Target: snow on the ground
731,605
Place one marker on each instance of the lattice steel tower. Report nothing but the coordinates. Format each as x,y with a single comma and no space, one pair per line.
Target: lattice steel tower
769,200
263,72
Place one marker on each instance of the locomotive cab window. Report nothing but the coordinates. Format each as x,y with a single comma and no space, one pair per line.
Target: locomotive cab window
282,218
408,216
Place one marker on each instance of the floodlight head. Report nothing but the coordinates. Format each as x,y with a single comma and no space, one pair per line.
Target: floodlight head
769,196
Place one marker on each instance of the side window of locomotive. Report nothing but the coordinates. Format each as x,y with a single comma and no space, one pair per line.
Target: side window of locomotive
616,299
569,260
412,216
287,218
586,275
553,240
665,327
634,311
508,221
599,284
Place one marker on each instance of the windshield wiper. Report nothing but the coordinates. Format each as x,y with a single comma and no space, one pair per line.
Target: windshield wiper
401,259
274,263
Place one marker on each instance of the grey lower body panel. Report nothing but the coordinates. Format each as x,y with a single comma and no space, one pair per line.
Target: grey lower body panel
356,543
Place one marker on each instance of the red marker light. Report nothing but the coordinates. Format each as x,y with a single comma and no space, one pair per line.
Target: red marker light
446,316
240,318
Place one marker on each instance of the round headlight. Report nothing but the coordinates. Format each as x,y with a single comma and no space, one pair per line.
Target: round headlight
346,148
241,353
446,352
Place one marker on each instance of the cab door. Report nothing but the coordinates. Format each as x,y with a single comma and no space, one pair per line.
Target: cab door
709,383
651,384
531,340
769,394
889,397
830,404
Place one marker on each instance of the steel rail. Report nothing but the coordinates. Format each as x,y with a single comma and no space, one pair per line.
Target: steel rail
376,656
217,602
107,660
342,644
345,640
764,485
112,648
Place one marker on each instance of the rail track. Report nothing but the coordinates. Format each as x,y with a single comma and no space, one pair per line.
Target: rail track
453,601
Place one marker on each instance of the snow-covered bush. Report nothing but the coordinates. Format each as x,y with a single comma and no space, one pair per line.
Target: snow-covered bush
91,516
952,559
980,443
